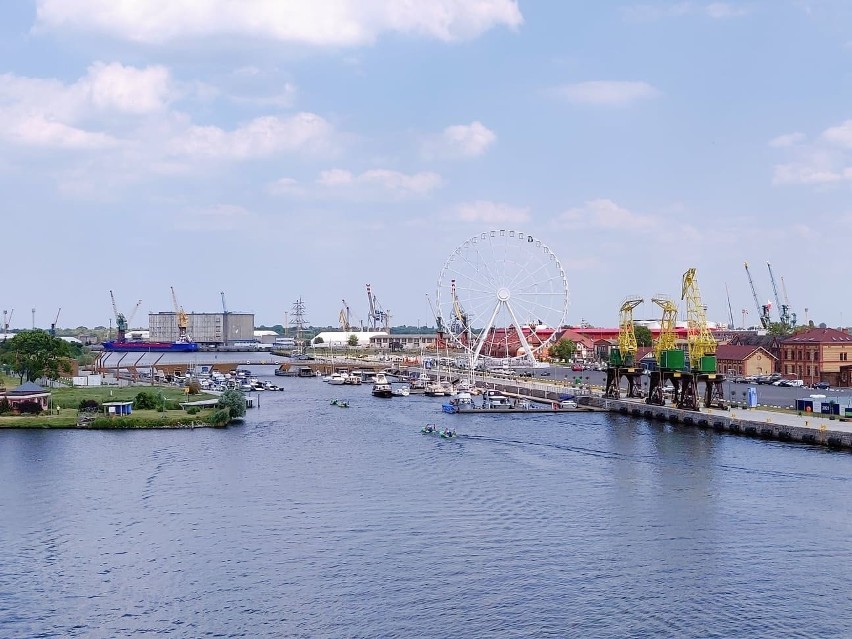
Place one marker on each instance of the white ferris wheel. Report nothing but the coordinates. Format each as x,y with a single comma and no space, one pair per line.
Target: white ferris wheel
502,294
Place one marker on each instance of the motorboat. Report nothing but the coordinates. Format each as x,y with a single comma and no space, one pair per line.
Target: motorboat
401,390
381,386
337,379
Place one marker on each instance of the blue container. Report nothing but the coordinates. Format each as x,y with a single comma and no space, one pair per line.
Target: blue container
751,397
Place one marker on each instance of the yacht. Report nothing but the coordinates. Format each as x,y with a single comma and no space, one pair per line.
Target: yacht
382,387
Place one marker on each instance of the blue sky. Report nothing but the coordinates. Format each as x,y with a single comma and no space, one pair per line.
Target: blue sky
275,150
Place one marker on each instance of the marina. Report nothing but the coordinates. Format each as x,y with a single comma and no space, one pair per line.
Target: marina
513,495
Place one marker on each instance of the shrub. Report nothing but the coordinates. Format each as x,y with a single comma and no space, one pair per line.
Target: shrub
147,401
234,401
220,417
89,406
193,410
29,408
4,406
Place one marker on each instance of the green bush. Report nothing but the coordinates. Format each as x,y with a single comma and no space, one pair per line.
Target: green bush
147,401
4,406
89,406
234,401
29,408
220,417
193,410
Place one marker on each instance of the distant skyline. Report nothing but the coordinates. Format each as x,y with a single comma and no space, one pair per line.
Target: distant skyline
278,149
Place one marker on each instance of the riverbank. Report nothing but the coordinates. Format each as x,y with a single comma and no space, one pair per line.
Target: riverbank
162,409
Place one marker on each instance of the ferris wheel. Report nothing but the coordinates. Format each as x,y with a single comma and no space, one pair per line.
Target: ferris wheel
502,294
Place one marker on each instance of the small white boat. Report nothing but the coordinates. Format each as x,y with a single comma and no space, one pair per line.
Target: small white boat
337,379
401,391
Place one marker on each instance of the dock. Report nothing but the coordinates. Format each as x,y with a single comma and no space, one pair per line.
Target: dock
785,426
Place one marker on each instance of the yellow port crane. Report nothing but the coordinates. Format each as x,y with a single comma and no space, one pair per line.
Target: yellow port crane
667,340
182,319
343,317
702,345
627,346
622,359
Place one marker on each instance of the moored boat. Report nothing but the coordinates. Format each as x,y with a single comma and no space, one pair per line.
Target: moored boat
382,387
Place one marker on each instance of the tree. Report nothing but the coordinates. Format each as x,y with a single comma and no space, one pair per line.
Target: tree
563,350
318,340
643,336
234,401
34,354
353,340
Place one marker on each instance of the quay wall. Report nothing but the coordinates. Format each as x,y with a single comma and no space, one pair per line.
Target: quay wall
760,424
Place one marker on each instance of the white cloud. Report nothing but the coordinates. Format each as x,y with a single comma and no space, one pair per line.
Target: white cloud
489,212
788,139
606,93
840,135
715,10
795,173
285,186
393,181
48,113
261,137
39,132
128,89
827,160
461,141
318,22
607,215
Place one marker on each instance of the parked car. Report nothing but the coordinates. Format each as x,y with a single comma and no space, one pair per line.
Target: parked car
545,373
576,367
822,385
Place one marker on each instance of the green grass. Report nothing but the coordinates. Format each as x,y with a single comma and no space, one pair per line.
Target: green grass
68,399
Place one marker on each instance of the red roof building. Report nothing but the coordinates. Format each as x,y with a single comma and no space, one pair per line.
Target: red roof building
816,355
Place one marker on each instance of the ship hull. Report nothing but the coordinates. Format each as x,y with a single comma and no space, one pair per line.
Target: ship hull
154,347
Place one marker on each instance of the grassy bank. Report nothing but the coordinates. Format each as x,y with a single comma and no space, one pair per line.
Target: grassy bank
65,403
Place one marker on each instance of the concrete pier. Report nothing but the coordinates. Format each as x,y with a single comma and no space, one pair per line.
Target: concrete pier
808,428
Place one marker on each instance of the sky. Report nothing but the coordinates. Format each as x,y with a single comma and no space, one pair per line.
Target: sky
276,150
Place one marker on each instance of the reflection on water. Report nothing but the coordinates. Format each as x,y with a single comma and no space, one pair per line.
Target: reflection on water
311,520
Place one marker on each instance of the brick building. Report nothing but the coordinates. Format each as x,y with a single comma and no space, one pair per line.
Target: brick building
816,355
744,360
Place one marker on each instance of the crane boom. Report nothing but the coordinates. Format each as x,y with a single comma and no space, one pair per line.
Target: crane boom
343,317
120,320
627,346
698,337
52,330
667,340
182,319
762,310
783,313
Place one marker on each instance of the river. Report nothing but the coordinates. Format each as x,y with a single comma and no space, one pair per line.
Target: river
310,520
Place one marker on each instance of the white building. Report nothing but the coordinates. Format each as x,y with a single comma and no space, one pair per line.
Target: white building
335,339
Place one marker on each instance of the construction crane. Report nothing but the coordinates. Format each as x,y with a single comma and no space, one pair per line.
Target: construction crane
730,309
182,319
699,340
783,309
622,359
120,320
378,317
702,350
343,317
52,330
460,324
762,309
7,320
793,318
670,359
